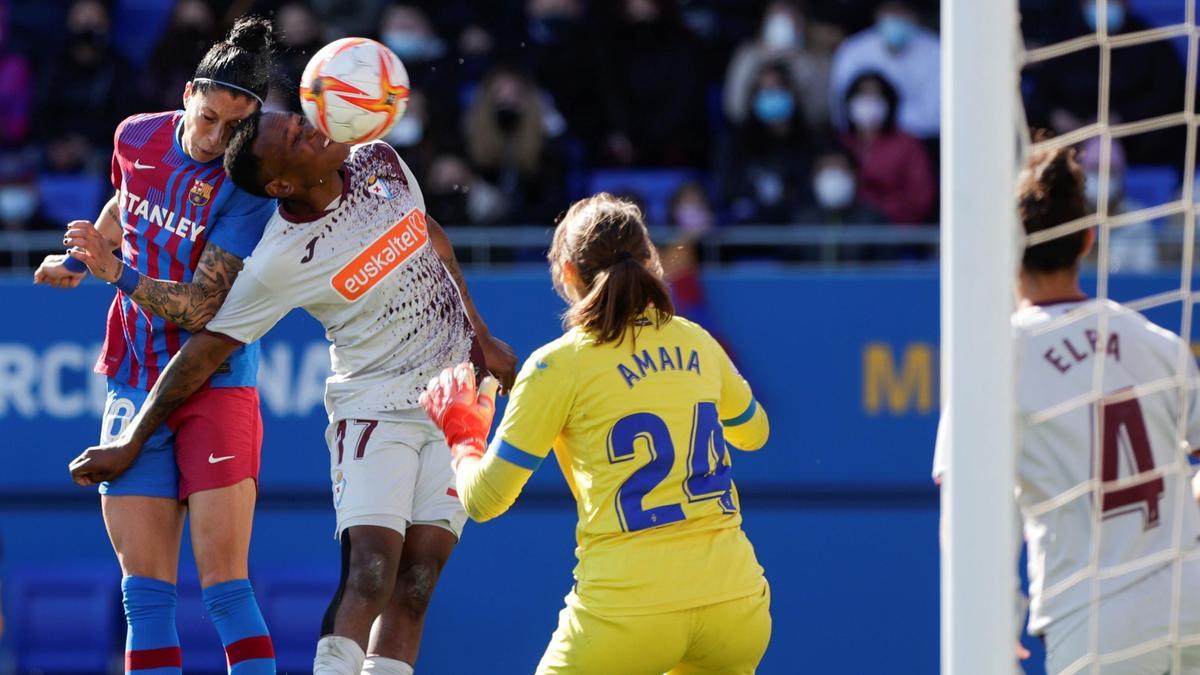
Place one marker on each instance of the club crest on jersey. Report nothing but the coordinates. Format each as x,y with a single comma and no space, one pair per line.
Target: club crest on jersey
339,488
200,193
378,188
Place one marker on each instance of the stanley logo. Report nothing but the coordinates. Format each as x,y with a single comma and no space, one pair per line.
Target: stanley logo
382,257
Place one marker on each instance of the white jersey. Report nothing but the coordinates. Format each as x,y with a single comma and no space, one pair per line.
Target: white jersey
366,270
1055,363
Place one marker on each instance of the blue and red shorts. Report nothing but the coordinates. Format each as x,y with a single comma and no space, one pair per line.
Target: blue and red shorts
213,440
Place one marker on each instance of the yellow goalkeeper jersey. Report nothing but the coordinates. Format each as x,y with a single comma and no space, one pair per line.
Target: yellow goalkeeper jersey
642,431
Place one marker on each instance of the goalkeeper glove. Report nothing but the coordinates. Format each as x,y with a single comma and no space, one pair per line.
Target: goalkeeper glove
463,412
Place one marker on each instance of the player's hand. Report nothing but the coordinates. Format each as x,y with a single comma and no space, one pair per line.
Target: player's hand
500,359
87,245
54,274
461,411
102,462
1022,653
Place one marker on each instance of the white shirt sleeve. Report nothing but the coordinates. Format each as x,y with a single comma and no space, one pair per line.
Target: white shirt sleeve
250,309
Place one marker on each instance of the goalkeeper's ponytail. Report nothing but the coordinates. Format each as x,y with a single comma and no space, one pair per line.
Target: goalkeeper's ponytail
605,238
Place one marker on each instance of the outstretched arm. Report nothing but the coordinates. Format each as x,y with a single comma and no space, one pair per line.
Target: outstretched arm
188,370
487,484
189,304
500,359
60,271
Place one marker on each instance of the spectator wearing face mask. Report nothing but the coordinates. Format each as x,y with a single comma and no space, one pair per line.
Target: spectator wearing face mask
1145,80
407,31
895,175
651,87
764,161
86,89
692,218
509,147
1132,247
19,204
784,37
835,193
459,196
904,52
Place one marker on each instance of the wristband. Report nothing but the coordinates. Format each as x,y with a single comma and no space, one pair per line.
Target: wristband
74,265
128,281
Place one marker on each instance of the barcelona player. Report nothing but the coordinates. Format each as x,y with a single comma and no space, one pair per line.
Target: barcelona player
182,228
640,408
350,244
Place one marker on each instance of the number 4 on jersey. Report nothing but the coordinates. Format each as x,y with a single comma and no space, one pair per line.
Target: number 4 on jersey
1125,426
707,468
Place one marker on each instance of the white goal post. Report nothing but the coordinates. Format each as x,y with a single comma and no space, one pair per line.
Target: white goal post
980,88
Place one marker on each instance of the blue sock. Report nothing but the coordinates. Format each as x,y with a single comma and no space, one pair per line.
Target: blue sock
235,613
152,643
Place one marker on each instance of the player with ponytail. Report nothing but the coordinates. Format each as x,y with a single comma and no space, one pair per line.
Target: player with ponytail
640,407
182,229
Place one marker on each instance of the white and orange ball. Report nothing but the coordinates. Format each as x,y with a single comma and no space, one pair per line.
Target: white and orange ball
354,90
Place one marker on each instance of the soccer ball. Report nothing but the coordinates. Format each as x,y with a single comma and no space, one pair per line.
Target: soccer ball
354,90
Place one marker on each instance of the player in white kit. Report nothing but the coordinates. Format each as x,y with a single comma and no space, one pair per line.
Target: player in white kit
1058,337
351,244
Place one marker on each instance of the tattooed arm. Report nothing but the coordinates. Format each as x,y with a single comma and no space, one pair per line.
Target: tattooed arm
199,358
190,304
499,356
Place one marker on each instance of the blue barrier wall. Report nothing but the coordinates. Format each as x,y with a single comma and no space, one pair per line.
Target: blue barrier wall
839,504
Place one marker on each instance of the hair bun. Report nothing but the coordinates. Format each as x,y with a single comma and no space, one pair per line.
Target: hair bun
252,34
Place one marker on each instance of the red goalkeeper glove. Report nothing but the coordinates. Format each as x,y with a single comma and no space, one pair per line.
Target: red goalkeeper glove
461,411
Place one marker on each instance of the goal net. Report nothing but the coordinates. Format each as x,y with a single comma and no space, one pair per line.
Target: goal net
985,141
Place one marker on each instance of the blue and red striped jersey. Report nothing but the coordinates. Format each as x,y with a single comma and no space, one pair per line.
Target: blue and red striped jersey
171,207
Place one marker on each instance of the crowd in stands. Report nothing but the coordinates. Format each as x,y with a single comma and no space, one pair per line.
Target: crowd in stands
713,113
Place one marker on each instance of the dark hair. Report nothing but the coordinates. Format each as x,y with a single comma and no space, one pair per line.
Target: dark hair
1049,193
242,59
755,135
242,165
889,95
606,239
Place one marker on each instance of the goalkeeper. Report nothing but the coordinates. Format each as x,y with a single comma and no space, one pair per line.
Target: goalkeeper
638,405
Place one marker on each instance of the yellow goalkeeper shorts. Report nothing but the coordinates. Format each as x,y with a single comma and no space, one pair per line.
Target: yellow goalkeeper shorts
727,638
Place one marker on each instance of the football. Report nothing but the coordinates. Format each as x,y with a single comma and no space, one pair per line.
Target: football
354,90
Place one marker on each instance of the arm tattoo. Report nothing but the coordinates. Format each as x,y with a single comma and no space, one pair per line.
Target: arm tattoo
455,271
187,371
445,250
192,304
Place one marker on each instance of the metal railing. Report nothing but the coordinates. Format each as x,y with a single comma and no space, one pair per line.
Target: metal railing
491,246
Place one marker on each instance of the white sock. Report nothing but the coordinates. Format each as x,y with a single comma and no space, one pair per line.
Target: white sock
381,665
337,655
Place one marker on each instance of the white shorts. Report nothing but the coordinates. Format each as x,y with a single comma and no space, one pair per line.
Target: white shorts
1130,617
392,474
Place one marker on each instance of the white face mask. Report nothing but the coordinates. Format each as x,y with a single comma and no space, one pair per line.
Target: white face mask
780,32
834,188
17,203
407,132
867,111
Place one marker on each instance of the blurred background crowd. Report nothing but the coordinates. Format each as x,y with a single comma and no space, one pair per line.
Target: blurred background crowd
715,115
